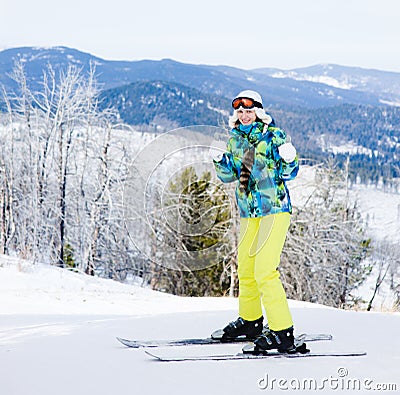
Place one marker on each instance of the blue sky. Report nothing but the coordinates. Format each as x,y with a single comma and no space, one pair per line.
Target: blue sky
280,33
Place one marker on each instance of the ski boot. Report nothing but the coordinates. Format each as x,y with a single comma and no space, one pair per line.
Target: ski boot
283,341
240,328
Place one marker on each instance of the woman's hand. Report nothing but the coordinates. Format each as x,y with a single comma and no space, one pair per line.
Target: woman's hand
287,152
217,150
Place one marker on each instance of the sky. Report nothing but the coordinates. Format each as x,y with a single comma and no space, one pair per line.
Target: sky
259,33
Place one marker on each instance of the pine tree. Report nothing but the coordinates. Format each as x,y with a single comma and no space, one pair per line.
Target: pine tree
202,217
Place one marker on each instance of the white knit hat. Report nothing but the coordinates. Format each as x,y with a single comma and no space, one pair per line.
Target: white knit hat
260,113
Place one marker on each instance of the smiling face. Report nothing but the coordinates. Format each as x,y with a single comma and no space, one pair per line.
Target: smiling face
246,117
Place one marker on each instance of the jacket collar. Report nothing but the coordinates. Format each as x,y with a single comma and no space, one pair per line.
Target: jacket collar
252,133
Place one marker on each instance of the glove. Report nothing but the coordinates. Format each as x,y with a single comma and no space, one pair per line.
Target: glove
217,150
287,152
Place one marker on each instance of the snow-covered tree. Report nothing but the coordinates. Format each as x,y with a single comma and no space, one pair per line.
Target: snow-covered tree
61,162
323,256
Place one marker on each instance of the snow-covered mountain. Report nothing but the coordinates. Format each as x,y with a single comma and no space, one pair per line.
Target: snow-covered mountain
317,86
382,83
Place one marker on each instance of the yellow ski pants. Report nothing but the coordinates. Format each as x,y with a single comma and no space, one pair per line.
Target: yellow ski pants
260,246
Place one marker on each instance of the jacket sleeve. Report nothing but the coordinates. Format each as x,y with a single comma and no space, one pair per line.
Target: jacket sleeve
289,171
225,168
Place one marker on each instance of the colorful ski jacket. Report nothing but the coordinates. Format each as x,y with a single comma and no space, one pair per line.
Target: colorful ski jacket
266,192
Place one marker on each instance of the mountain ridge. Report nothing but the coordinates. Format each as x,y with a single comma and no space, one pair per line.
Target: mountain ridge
286,89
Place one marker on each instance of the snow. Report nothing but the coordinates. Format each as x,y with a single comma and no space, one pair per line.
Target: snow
379,209
58,329
381,212
57,290
348,148
395,103
322,79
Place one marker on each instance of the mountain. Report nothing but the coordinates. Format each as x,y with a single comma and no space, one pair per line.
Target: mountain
382,83
368,136
161,104
302,87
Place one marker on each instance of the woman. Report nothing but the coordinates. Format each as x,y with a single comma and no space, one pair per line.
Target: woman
260,158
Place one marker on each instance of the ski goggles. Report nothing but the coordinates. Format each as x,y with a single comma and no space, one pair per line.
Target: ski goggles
245,102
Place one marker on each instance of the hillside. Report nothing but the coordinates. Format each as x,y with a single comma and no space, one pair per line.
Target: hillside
282,87
385,84
69,346
165,105
369,136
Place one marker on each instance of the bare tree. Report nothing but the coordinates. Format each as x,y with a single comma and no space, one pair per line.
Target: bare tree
323,257
385,266
59,184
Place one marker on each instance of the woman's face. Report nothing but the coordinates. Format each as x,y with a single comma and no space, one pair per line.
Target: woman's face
246,117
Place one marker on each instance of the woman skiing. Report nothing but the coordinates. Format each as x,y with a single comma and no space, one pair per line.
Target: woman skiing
261,159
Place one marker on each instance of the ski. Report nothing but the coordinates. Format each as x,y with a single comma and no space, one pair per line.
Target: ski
208,340
241,356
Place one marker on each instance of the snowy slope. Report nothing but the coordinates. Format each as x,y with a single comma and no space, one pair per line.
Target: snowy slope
379,209
380,212
58,328
384,84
